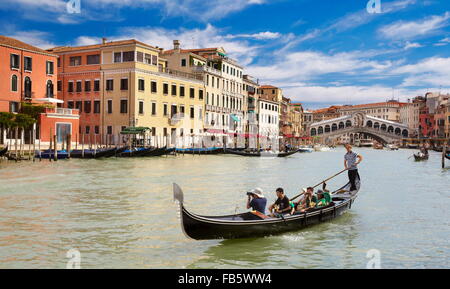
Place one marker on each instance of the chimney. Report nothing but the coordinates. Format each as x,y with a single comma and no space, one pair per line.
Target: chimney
176,44
104,40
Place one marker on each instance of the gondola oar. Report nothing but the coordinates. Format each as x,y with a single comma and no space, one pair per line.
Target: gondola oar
299,195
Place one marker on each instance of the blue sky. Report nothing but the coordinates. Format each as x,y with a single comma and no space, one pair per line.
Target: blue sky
320,52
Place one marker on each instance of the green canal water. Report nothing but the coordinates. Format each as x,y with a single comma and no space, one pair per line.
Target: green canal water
119,213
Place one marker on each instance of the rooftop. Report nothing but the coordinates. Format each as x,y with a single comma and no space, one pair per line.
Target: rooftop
14,43
62,49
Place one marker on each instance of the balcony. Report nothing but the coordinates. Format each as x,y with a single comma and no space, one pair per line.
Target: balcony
206,69
62,111
181,74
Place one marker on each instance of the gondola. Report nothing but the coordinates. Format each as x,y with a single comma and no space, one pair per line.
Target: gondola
3,151
305,150
260,154
200,151
93,154
418,157
49,154
137,152
447,155
248,225
161,152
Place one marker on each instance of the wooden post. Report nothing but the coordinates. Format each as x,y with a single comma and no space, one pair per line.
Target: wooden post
51,139
55,144
69,144
76,141
82,147
444,152
29,146
15,142
34,142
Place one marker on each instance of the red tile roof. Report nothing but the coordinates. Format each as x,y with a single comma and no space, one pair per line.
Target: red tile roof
98,46
11,42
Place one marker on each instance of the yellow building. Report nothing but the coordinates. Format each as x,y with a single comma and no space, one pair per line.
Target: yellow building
138,90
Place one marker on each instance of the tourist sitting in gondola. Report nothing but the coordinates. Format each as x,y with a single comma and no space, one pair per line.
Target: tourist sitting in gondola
308,201
281,206
323,197
257,202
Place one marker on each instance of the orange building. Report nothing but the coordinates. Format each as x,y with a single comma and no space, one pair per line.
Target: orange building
28,75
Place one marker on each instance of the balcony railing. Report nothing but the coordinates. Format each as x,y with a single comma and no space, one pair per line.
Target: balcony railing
181,74
62,111
207,69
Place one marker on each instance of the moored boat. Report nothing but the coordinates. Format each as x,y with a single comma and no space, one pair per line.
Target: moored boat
93,154
50,154
304,149
392,147
3,151
420,157
261,153
249,225
200,151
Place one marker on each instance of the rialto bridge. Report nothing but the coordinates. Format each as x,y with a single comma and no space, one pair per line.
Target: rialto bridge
358,126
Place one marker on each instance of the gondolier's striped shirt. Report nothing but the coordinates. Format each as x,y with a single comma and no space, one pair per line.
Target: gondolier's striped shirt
351,157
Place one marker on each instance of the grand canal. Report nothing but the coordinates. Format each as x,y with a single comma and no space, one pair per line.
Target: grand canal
119,213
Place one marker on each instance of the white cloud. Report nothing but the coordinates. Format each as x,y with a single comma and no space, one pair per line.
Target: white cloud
414,29
35,38
267,35
410,45
443,42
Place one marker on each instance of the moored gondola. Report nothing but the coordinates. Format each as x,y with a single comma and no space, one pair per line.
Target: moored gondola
136,152
93,154
260,154
200,151
447,155
3,151
248,225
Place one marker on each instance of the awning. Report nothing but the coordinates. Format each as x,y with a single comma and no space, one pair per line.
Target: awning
49,100
235,118
215,130
135,130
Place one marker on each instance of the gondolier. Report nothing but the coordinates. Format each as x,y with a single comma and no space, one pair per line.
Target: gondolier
351,161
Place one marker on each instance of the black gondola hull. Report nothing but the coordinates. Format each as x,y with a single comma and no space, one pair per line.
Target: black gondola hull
3,151
199,228
259,154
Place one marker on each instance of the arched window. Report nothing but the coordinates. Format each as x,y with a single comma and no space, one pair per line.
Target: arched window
27,87
383,127
327,128
313,132
341,125
334,127
320,130
348,123
405,133
398,131
369,123
14,83
50,89
376,125
390,129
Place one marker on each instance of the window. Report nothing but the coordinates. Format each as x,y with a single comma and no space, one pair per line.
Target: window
128,56
15,61
154,60
192,92
174,110
79,86
28,87
140,56
117,57
88,129
93,59
70,104
27,63
165,109
59,85
181,91
87,106
148,58
78,105
123,106
174,89
110,84
183,62
141,84
96,106
96,85
96,129
165,88
192,112
49,67
14,83
49,89
200,94
124,84
153,108
109,129
109,107
70,86
87,85
182,109
154,87
75,61
141,107
13,106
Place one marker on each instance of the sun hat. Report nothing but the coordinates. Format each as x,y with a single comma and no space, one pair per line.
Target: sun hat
258,192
